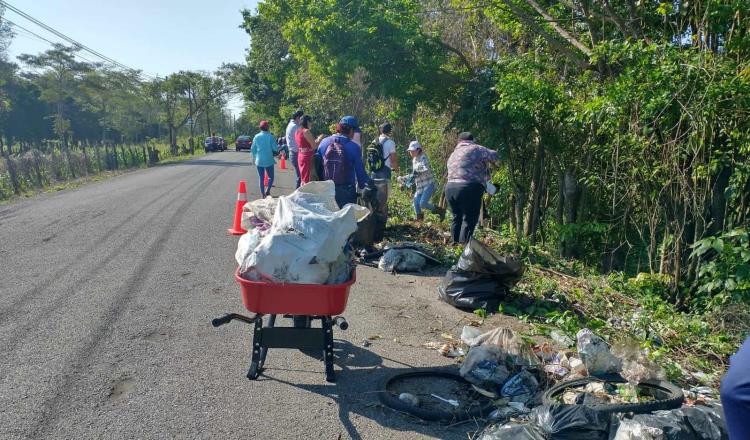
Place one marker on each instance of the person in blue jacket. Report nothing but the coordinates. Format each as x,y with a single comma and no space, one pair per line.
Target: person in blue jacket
735,394
346,192
263,148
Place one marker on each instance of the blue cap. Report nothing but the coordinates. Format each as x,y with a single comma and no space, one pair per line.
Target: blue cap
350,121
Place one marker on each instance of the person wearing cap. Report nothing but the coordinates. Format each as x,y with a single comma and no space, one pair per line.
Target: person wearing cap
352,122
263,148
291,142
306,147
357,176
468,172
424,181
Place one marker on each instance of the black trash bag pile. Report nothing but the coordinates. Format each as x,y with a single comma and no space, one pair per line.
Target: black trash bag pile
512,432
480,278
572,422
686,423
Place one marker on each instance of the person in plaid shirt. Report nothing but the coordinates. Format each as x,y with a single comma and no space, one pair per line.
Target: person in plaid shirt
424,182
468,173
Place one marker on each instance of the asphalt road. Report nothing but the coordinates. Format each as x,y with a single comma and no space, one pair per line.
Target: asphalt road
106,294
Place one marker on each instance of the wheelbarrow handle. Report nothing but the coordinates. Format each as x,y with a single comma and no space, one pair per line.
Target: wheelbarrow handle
216,322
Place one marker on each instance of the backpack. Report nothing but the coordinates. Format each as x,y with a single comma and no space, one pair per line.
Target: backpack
335,165
374,156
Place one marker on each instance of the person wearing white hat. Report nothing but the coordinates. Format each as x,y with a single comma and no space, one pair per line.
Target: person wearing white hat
424,181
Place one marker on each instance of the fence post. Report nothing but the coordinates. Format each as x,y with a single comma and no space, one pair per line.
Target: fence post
97,146
11,168
82,144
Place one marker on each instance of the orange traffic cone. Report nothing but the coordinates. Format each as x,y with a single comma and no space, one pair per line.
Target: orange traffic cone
241,200
282,165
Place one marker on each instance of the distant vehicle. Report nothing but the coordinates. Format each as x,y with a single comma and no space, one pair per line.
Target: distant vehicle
243,142
214,143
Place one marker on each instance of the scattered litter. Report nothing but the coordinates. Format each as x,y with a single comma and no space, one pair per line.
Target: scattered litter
480,278
451,350
484,392
521,387
561,338
558,372
511,432
636,366
402,260
469,334
409,398
451,402
702,377
375,337
596,355
632,430
545,352
366,343
577,422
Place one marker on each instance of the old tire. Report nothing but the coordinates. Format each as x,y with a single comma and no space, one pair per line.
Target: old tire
667,395
392,401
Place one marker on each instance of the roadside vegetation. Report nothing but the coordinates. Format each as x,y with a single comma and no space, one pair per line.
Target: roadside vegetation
64,119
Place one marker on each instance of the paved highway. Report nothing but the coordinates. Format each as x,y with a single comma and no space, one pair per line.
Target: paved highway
106,294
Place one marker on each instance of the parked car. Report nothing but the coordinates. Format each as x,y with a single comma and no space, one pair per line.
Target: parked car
215,143
243,142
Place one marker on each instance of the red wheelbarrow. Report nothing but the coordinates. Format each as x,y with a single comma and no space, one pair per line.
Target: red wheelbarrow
311,301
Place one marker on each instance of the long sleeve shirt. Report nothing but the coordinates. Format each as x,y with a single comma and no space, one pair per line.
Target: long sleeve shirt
422,172
263,148
469,163
353,153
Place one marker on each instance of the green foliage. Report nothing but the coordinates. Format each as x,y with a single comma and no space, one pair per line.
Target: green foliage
724,272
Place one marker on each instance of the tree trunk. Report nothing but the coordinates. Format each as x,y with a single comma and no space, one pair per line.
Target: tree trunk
718,200
532,215
572,192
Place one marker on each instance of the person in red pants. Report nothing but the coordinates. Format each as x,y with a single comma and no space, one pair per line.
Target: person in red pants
306,148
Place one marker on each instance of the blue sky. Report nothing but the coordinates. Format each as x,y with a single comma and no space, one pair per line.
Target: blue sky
156,36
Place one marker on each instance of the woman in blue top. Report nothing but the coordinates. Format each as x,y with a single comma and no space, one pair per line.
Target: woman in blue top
263,149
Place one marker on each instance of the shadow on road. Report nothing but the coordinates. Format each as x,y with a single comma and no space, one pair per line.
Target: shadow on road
212,162
358,383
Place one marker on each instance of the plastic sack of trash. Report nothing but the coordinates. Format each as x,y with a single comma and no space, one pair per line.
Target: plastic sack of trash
511,432
596,355
522,354
571,422
306,239
401,260
686,423
258,212
480,278
245,247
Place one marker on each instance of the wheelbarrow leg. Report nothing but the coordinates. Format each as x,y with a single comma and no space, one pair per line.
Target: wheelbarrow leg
255,360
264,349
328,348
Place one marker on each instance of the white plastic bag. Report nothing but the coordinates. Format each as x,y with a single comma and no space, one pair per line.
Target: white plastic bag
307,238
595,354
402,260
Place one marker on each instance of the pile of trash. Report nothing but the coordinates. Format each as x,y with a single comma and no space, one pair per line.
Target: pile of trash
300,238
549,391
480,279
397,257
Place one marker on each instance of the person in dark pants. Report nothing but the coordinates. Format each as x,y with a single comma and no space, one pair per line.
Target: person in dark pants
353,172
735,394
468,173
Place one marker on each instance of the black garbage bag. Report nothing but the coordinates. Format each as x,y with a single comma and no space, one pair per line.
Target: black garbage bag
572,422
686,423
511,432
480,279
